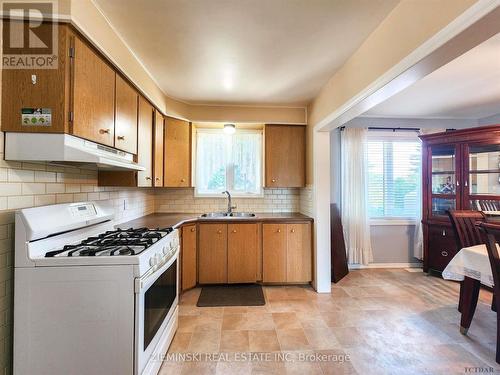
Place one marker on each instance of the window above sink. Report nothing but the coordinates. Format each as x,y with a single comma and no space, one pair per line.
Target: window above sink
230,162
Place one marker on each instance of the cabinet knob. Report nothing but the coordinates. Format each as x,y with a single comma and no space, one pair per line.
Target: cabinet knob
444,233
104,131
444,253
279,231
147,178
273,180
293,231
183,180
219,231
234,231
193,229
121,137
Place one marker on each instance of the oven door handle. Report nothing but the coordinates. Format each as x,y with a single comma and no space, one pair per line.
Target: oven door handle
153,274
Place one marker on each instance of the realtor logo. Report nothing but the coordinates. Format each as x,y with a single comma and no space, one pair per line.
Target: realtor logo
29,36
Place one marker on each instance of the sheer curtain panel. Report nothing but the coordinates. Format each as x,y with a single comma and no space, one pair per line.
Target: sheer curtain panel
354,196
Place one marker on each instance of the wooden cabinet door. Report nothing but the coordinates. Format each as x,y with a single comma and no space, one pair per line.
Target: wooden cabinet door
242,246
442,246
285,155
274,239
125,116
145,143
177,153
188,256
299,255
158,150
49,91
212,264
93,96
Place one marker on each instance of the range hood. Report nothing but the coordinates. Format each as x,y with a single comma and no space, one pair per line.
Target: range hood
66,149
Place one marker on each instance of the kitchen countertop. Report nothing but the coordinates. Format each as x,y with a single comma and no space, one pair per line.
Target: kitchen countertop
160,220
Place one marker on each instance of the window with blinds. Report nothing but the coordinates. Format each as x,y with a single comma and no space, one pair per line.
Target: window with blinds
228,162
393,177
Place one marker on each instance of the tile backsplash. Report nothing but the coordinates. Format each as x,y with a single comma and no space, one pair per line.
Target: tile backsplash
183,200
306,201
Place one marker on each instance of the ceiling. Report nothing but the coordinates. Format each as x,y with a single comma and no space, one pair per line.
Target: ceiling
266,52
466,88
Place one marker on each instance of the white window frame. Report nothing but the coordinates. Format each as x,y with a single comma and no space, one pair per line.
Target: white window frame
405,135
228,173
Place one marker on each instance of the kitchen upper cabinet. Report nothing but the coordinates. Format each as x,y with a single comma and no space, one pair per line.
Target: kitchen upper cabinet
125,116
188,256
285,155
212,251
177,153
242,247
299,254
145,143
274,242
287,253
158,150
93,104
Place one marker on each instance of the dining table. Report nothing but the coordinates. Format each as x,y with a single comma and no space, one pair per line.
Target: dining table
471,266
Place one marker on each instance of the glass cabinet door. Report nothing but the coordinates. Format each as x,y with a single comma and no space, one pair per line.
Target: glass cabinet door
444,179
483,180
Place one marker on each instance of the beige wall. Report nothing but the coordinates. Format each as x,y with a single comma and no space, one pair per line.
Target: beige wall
408,26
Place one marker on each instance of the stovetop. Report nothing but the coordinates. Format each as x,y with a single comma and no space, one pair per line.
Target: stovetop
113,243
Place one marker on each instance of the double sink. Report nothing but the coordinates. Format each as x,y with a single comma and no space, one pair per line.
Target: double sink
215,215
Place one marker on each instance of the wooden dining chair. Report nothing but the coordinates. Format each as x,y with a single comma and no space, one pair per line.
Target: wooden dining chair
464,225
467,234
492,233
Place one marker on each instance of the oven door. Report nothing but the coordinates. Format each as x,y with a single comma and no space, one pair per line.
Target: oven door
156,299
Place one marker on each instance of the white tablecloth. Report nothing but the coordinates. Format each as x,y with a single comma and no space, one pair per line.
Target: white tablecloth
472,262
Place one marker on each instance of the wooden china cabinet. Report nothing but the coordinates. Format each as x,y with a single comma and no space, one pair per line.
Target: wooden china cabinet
460,170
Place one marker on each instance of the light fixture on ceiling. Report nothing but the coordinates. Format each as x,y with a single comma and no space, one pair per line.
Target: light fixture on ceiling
229,128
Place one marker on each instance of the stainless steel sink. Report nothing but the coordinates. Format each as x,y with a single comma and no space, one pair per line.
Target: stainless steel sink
214,214
242,214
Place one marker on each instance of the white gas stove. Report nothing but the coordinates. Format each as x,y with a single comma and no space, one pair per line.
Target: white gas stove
89,298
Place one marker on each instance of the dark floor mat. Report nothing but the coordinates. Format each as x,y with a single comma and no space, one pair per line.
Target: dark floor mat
231,295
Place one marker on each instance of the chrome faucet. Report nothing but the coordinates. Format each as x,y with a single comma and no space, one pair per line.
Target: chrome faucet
230,207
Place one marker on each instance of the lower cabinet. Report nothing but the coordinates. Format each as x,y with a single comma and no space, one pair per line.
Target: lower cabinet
246,253
286,253
242,246
212,263
274,253
442,246
299,256
228,253
188,257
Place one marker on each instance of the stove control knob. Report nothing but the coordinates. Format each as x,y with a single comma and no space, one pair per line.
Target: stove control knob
165,250
152,261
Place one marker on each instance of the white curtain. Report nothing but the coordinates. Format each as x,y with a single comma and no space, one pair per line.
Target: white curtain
418,235
354,196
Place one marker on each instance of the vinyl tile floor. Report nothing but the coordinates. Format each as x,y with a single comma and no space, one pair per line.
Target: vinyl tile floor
376,321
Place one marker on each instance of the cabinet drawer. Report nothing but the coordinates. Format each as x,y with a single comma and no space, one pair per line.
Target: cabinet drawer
442,247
